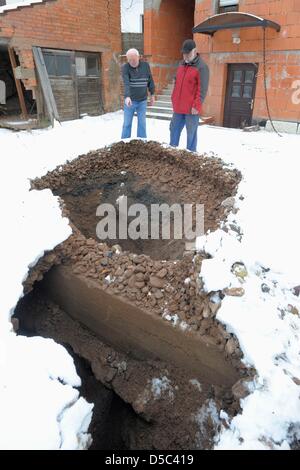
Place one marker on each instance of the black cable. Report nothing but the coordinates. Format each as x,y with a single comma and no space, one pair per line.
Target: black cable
265,82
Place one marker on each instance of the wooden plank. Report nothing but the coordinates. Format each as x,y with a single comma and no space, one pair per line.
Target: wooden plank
75,83
13,62
89,95
45,84
63,90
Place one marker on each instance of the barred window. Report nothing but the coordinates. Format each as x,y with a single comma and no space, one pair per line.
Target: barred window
225,6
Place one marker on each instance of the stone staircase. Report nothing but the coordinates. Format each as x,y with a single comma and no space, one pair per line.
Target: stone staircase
162,108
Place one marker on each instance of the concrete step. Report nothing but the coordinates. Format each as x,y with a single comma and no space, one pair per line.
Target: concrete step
164,98
164,104
162,116
160,109
168,116
161,104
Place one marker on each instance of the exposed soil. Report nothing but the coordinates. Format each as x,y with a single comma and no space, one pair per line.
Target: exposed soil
159,277
171,289
130,410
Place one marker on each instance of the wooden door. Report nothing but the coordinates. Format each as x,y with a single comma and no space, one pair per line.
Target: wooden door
88,83
240,94
61,71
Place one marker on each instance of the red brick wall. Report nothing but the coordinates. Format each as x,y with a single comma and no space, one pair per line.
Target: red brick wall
283,57
164,32
89,25
166,28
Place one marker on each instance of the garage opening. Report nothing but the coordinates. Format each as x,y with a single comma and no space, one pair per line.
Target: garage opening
10,100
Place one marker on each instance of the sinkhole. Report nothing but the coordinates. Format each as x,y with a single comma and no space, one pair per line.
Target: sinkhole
134,311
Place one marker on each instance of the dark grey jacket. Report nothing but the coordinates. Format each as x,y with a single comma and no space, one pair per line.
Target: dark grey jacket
137,81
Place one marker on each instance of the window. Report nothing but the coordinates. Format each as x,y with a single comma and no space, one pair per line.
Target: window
80,66
236,91
237,76
92,65
225,6
63,65
87,65
58,65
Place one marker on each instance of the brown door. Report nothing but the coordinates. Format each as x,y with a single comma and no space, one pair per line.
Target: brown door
240,93
88,83
75,80
61,70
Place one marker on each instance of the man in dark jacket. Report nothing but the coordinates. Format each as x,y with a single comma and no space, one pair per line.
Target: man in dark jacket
137,80
190,89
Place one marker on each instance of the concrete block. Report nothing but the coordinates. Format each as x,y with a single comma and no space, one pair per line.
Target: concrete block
283,126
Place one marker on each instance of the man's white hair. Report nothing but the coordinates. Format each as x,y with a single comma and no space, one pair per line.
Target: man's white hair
132,51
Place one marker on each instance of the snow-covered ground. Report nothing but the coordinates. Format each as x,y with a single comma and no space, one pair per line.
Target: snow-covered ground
48,412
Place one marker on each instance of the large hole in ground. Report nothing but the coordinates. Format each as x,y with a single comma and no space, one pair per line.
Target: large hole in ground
139,315
83,200
146,173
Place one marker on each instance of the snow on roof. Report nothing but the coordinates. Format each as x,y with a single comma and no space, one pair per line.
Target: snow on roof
14,4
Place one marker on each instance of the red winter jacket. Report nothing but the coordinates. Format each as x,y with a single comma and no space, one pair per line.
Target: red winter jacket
186,92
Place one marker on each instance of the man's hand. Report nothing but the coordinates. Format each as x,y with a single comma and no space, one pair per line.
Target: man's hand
194,111
128,102
152,100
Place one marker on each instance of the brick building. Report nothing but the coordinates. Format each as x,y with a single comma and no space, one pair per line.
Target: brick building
234,53
77,44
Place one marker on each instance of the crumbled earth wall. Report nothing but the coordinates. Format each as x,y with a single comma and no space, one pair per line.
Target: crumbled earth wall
172,409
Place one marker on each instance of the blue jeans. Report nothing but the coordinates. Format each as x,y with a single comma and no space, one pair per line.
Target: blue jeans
140,108
191,121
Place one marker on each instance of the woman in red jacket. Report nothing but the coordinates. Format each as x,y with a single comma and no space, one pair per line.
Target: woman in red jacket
191,84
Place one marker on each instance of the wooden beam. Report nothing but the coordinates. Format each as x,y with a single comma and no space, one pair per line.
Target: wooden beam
13,62
45,84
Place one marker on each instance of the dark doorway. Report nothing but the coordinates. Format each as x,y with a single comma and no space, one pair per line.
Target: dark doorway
9,100
240,93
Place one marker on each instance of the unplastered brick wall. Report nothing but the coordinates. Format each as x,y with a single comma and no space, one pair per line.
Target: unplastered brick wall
90,25
166,25
282,58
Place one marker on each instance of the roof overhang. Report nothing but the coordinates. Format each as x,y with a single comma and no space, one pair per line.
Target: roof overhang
232,20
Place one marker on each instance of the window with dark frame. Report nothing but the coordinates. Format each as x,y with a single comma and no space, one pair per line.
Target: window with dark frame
92,66
58,65
226,6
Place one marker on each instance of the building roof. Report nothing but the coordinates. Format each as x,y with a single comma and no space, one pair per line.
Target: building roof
231,20
14,5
